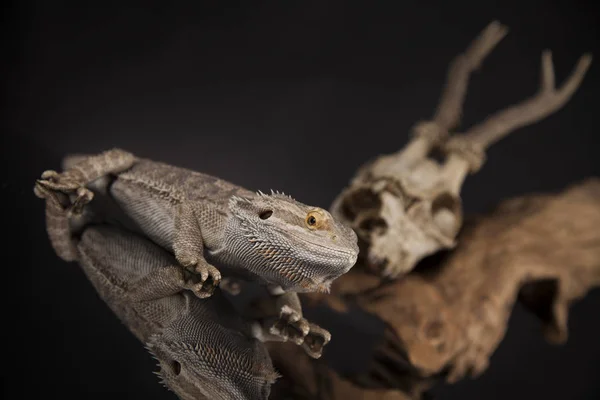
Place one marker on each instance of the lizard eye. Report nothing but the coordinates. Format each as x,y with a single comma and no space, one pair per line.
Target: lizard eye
314,220
265,214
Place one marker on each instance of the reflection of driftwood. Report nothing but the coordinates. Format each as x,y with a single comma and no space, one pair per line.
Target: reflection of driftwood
447,319
405,206
309,379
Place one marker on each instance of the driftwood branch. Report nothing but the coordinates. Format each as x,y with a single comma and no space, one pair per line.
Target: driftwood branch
445,320
305,379
542,249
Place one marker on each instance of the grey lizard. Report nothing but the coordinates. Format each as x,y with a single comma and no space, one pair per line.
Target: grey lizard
287,245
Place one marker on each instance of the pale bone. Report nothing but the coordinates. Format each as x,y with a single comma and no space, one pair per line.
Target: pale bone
406,205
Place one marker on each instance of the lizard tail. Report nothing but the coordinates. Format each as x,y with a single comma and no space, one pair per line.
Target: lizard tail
59,232
70,160
58,225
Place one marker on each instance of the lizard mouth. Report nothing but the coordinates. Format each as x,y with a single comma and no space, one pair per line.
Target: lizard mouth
351,255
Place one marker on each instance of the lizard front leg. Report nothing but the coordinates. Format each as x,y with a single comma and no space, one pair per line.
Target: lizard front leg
292,326
188,247
72,182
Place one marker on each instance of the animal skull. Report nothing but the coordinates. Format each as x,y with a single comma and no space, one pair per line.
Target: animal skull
406,205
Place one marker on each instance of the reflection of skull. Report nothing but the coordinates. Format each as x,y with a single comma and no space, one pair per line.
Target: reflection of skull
397,231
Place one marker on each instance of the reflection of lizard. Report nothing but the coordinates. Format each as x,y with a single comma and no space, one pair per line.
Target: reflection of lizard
204,349
287,245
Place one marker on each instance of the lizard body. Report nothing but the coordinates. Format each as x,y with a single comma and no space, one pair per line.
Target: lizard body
205,350
281,241
266,236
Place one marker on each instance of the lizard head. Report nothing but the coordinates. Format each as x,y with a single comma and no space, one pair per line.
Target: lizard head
216,366
298,247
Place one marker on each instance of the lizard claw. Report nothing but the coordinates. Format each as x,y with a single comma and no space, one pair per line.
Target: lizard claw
52,182
315,341
50,175
209,279
83,196
290,326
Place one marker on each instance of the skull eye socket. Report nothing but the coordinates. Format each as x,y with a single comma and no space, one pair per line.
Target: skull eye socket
314,220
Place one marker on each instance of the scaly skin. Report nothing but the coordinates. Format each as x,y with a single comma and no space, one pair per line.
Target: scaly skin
287,245
205,350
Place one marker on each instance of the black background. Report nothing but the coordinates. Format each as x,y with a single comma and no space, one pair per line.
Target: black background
290,95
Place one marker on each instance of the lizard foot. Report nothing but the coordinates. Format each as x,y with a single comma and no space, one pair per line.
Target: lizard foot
203,280
52,182
290,326
315,341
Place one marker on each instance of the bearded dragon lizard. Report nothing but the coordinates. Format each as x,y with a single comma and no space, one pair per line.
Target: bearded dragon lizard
287,245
